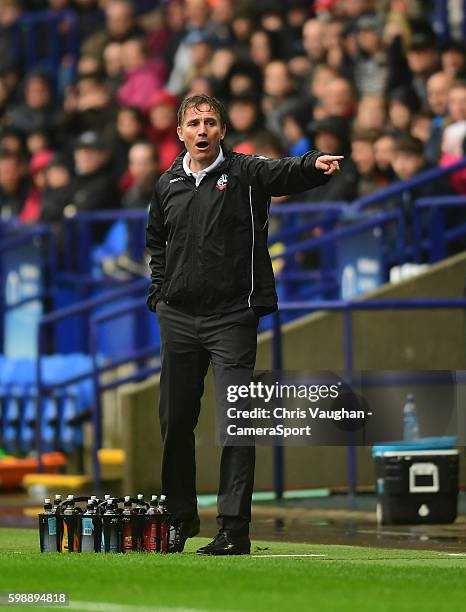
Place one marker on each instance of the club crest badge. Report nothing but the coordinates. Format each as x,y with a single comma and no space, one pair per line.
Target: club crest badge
222,182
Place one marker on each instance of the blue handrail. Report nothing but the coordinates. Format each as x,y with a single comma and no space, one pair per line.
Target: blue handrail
347,307
58,315
439,236
427,176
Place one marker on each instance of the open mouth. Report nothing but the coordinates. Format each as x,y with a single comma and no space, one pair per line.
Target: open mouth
202,144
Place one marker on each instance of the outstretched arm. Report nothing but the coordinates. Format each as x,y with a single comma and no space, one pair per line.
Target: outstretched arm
290,175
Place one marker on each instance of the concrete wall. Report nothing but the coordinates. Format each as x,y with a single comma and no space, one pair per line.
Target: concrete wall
383,340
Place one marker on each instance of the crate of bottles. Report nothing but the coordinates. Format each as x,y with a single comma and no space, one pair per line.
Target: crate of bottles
111,525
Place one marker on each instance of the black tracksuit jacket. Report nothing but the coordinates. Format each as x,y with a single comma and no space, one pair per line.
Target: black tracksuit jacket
208,244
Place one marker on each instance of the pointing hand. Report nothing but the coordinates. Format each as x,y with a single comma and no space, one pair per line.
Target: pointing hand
328,163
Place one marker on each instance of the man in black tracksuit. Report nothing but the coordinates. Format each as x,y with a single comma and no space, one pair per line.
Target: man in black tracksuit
211,280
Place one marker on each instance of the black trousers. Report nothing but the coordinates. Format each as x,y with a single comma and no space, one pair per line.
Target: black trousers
189,344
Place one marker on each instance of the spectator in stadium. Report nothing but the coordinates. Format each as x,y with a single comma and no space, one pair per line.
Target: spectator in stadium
423,60
363,156
12,140
221,17
453,150
196,18
457,102
279,91
408,158
113,67
331,134
403,103
58,192
453,59
14,184
38,140
120,26
198,46
142,76
10,11
164,39
313,35
262,48
38,109
370,63
223,58
421,126
244,77
191,336
32,209
94,186
245,119
88,106
322,74
438,87
162,129
384,149
201,85
144,168
295,118
130,127
339,99
371,113
90,18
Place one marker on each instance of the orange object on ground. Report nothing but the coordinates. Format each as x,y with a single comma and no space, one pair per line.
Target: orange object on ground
12,469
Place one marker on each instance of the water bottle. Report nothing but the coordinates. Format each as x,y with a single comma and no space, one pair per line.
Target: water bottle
48,528
164,521
111,528
410,422
89,527
70,530
138,521
127,526
56,503
151,523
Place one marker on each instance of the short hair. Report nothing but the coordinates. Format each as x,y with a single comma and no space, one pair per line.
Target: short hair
150,145
458,84
410,145
368,135
198,101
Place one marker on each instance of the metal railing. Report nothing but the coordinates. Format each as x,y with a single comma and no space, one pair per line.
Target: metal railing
347,308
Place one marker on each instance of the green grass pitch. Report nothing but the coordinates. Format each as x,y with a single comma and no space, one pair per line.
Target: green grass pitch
316,577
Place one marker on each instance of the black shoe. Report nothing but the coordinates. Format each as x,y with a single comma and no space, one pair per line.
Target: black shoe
225,543
180,532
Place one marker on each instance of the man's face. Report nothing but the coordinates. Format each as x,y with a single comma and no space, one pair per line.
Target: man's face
437,92
119,20
406,165
422,62
142,163
202,133
88,161
457,103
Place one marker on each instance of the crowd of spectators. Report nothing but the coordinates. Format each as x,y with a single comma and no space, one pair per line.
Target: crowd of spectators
365,78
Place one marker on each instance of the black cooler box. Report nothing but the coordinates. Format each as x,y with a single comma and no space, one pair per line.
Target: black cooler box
417,482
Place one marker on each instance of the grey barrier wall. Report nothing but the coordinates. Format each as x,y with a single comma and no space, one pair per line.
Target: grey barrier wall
382,340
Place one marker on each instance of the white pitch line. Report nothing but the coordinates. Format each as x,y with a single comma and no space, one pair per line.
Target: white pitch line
303,555
455,554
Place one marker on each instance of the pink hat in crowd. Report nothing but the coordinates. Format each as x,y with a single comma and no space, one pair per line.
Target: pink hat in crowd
40,160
